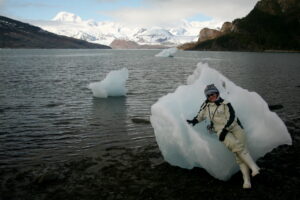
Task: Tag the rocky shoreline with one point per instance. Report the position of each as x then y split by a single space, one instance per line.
141 173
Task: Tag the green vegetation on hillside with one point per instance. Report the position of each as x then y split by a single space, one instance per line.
268 26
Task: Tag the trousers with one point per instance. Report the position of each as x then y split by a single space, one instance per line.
235 141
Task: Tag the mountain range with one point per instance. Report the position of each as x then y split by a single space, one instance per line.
272 25
16 34
71 25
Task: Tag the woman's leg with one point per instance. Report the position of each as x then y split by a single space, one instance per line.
244 155
247 159
236 142
246 176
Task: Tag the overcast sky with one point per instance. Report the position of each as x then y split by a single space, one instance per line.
137 12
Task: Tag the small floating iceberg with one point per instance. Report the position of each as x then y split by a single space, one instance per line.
186 146
167 52
112 85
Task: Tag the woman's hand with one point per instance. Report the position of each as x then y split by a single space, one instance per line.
193 121
223 135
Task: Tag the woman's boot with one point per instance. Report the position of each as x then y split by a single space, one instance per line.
246 176
247 159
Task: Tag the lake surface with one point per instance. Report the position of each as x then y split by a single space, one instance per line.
48 115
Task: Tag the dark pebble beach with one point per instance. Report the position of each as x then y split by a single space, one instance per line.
141 173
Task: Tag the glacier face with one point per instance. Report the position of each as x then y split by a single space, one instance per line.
70 25
187 147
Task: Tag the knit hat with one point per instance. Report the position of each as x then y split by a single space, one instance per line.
211 89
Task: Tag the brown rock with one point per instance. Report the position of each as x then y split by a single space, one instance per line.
227 27
209 34
128 44
276 7
123 44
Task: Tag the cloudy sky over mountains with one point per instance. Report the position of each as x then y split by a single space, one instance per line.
137 12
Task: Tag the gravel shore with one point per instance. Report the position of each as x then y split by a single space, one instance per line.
123 173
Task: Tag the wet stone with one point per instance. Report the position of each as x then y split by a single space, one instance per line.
275 107
142 174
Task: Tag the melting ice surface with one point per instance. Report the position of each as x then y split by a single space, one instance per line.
112 85
187 147
167 52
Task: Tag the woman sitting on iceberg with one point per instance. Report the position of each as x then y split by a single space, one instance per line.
188 147
228 128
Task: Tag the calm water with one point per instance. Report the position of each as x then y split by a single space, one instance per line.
47 113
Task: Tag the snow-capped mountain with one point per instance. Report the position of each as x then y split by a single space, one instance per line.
71 25
67 17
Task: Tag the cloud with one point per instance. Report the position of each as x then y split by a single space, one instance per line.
108 1
164 12
36 4
2 3
5 5
2 7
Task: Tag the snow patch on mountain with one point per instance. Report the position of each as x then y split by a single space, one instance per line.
106 32
67 17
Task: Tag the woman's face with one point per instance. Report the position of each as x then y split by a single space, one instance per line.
212 97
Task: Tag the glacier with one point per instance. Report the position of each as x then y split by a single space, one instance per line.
112 85
186 146
105 32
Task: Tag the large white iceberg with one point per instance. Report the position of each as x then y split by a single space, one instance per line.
187 147
112 85
167 52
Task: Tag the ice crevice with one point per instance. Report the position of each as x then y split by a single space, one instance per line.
187 147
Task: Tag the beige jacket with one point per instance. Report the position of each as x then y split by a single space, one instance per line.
221 113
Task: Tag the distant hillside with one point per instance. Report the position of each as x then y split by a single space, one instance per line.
127 44
271 25
16 34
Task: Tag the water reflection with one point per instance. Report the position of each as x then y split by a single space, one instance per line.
107 110
109 115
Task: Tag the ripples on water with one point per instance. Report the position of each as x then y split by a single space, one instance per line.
47 114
